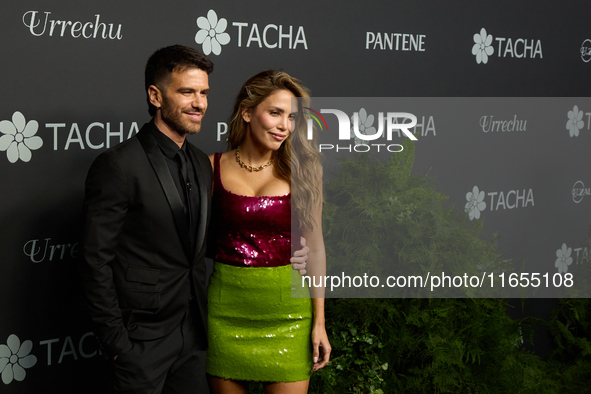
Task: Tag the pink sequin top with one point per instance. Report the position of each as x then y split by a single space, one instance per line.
249 231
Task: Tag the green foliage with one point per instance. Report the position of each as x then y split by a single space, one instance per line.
428 346
570 327
357 365
381 220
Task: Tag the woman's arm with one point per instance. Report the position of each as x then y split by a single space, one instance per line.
299 258
316 267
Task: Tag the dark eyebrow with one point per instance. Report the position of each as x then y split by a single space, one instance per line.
188 89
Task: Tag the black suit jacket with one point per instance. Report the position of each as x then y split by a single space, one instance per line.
138 268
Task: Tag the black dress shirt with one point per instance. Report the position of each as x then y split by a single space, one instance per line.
170 149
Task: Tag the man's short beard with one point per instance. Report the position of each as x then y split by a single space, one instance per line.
174 121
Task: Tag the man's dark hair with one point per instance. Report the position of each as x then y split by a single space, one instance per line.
173 58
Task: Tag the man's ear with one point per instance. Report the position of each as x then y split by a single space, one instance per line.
246 113
155 96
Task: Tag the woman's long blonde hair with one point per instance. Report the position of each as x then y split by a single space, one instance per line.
304 164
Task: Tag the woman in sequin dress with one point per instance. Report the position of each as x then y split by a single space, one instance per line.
257 331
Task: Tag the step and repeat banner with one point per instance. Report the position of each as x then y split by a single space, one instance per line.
72 76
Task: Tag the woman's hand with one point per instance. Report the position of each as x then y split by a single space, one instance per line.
298 261
321 347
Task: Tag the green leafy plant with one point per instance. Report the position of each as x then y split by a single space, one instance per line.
381 220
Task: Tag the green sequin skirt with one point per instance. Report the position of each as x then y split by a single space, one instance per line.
257 331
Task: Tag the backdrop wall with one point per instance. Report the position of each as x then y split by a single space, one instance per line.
72 76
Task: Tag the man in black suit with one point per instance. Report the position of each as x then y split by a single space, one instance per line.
147 210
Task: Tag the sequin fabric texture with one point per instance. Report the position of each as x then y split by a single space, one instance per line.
267 243
257 330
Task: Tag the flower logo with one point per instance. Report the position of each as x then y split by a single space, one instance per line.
19 138
212 34
475 203
14 358
365 126
575 121
482 48
564 259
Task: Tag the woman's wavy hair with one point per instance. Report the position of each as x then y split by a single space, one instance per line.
302 169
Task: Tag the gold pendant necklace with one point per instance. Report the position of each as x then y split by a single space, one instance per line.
250 168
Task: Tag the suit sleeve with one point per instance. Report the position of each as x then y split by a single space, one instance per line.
106 204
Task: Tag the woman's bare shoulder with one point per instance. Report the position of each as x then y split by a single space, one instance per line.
224 158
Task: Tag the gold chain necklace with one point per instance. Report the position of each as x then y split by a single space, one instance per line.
250 168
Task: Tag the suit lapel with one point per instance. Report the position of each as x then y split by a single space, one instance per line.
204 196
156 158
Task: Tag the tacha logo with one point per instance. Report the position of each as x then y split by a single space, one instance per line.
475 203
506 47
511 199
566 256
482 48
19 139
575 121
15 358
212 34
563 258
